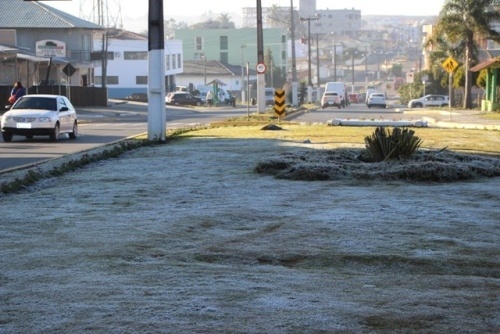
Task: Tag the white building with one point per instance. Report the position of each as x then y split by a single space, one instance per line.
127 68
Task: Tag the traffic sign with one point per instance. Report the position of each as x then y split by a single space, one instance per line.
450 64
261 68
69 70
279 102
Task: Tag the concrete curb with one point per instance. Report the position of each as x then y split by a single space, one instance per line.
432 123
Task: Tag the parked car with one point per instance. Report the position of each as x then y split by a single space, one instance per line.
331 99
182 98
377 100
139 97
429 101
40 115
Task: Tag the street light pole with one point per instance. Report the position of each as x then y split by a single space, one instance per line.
309 19
242 84
352 69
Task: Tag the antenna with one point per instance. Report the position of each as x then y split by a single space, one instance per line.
106 13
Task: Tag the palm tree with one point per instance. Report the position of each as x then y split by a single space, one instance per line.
225 21
464 22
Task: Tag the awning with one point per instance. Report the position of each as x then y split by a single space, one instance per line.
490 63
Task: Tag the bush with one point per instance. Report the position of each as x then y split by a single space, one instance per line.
383 145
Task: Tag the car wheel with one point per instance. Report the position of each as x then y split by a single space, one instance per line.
369 105
198 103
7 136
73 134
54 136
30 136
340 107
418 105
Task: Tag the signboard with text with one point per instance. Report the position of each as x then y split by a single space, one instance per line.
50 48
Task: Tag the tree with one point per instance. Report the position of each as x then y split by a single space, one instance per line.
225 21
463 22
170 26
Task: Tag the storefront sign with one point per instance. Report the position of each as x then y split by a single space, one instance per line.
50 48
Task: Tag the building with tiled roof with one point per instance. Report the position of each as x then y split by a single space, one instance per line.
39 32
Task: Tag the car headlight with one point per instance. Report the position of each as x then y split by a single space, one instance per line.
7 119
44 119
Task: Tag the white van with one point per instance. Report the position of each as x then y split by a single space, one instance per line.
269 95
224 96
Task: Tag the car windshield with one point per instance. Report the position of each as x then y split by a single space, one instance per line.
43 103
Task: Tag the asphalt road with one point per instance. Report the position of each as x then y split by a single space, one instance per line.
101 126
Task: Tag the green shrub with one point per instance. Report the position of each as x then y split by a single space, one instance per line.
384 145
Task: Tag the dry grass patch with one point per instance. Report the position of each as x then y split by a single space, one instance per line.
482 141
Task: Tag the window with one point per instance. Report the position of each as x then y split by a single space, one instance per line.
173 62
97 55
223 57
141 80
167 62
179 60
223 42
135 55
198 43
111 80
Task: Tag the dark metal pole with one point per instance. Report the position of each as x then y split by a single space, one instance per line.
294 59
292 37
335 62
317 60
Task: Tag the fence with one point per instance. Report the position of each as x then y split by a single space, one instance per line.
79 96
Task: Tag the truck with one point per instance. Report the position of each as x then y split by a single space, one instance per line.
339 88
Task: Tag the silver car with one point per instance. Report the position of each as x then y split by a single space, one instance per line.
40 115
429 101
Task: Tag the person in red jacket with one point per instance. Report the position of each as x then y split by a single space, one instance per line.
17 92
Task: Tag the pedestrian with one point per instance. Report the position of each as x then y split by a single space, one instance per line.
17 92
209 98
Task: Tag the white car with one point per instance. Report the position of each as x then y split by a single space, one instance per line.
40 115
429 101
331 99
377 100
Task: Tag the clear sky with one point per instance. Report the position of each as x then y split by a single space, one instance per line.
139 8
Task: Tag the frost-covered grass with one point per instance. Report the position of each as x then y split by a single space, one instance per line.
346 164
187 238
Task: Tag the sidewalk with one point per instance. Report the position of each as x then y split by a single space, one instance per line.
462 119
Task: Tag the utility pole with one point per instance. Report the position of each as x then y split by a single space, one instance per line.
309 19
156 72
261 69
242 74
317 62
294 59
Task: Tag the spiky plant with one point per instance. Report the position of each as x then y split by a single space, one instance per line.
384 145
